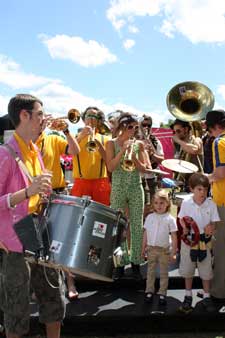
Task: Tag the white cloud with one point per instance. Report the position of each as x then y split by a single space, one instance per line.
133 29
4 100
85 53
57 97
197 20
128 44
13 76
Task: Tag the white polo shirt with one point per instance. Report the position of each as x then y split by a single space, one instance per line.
202 214
158 228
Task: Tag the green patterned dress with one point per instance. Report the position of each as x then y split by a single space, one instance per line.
127 191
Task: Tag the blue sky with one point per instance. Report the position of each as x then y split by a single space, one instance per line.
119 54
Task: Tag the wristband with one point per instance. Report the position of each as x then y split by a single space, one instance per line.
66 131
26 193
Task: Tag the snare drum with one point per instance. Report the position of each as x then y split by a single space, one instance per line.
82 235
180 197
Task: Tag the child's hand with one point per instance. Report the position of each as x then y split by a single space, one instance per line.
173 258
209 229
143 253
186 230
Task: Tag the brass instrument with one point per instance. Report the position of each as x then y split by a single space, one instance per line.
91 145
127 163
190 101
59 123
104 128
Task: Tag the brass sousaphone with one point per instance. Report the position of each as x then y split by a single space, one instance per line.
190 101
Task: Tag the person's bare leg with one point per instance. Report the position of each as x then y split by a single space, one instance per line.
72 291
52 330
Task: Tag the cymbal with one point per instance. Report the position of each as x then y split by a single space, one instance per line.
156 171
180 166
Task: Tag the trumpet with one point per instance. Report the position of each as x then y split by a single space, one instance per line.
127 164
91 145
60 123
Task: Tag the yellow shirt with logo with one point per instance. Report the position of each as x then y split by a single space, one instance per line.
90 162
51 147
31 161
218 187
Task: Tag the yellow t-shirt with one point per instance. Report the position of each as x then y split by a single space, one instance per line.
51 147
31 161
218 149
90 162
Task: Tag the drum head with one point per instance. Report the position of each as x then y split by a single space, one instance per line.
180 166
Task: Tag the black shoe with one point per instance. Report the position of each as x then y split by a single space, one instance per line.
162 300
136 274
118 273
208 304
148 297
186 305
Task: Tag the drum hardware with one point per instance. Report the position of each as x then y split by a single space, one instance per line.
127 163
156 171
59 123
91 145
117 257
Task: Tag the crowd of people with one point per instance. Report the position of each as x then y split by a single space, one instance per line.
115 169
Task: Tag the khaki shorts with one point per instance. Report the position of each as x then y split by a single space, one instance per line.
16 276
187 267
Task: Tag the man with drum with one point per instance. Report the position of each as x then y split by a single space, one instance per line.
215 122
22 180
187 147
52 147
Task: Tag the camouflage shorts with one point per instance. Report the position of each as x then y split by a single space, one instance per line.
16 276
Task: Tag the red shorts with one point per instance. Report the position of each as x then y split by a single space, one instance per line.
98 189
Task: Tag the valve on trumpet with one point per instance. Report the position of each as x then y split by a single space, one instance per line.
91 145
128 163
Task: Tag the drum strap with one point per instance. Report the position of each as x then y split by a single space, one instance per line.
19 162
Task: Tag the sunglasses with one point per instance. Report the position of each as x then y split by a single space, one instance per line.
130 127
177 131
146 125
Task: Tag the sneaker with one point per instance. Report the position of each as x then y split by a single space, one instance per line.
186 305
148 297
162 300
118 273
208 304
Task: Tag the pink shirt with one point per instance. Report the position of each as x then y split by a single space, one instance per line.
12 179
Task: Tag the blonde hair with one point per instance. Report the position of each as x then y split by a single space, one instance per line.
162 195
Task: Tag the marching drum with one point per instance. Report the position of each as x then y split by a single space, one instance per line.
82 235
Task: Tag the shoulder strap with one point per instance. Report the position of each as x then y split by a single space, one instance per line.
19 161
101 164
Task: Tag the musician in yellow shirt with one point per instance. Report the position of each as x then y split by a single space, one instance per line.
89 168
215 122
52 147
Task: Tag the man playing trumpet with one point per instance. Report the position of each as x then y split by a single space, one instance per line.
89 168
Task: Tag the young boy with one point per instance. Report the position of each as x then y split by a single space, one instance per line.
202 213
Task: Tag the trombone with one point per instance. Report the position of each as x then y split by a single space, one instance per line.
59 123
127 163
91 146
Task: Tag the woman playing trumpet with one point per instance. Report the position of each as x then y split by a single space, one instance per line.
127 190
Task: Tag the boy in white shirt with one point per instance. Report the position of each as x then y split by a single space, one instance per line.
158 227
202 212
